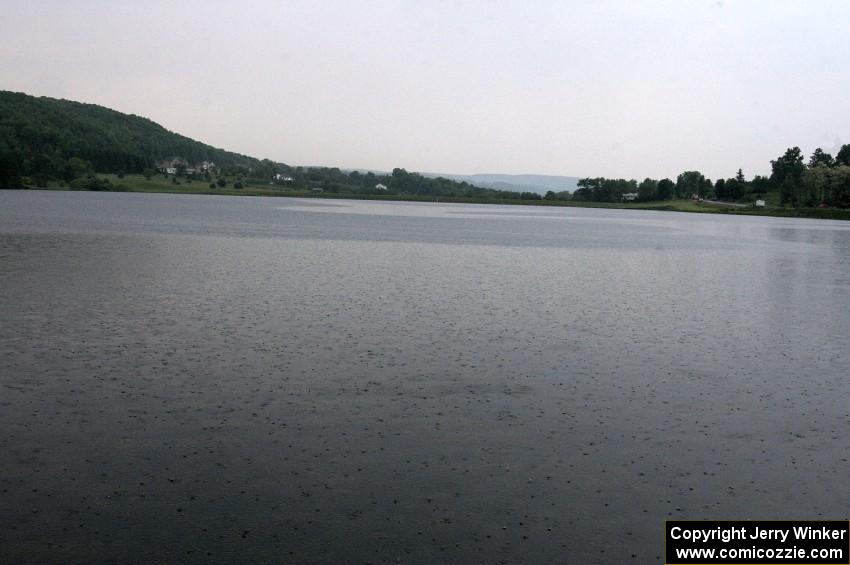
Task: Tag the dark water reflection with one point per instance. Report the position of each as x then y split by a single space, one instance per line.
196 379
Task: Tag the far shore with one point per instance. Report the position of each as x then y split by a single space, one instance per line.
137 183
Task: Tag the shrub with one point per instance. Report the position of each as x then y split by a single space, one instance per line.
91 183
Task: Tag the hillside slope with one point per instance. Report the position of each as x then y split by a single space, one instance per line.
38 135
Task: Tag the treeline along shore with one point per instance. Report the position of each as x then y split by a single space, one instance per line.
61 144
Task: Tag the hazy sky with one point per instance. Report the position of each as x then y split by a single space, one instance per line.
592 88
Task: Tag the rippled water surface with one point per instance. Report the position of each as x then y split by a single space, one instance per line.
228 379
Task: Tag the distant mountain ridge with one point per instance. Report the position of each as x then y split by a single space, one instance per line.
521 183
539 184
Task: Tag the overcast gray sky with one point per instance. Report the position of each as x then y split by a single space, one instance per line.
596 88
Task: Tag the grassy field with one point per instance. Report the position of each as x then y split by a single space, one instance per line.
160 184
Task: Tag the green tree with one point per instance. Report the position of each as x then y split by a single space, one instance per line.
826 185
76 168
692 182
585 189
816 183
735 189
665 189
265 170
600 189
400 181
647 190
821 158
10 175
839 186
787 172
843 155
760 184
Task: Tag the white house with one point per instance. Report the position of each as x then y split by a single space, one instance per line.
170 166
629 196
380 186
759 203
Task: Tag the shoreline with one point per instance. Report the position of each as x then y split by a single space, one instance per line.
686 206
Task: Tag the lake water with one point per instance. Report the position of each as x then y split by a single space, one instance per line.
235 379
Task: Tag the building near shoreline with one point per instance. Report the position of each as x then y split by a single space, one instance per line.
171 165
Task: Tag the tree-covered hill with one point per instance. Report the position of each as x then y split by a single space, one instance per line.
45 140
39 135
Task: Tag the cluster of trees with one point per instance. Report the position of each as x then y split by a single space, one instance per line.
823 180
601 189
